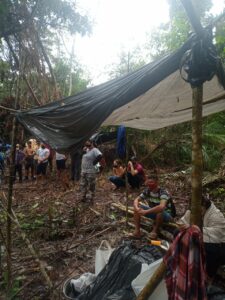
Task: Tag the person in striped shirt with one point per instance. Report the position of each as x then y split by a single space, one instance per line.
157 205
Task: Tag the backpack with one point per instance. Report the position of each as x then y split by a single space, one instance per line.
171 204
172 207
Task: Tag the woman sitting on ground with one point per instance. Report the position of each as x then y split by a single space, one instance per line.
118 177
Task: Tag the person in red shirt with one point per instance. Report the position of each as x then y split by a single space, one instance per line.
135 173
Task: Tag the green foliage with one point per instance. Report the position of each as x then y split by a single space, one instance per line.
170 36
51 14
172 146
6 79
62 15
64 73
30 33
128 61
220 39
16 284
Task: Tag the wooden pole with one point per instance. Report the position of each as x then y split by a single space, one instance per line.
153 282
193 17
197 100
126 179
10 192
197 161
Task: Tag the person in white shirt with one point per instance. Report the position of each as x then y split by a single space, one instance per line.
90 158
213 234
43 154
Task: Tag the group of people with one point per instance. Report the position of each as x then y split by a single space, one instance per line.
35 160
154 202
134 172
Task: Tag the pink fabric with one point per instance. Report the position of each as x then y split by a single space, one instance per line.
140 170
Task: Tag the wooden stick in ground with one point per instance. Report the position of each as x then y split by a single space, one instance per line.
153 282
196 157
126 180
14 219
10 189
197 161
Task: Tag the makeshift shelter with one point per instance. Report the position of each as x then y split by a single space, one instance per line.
152 97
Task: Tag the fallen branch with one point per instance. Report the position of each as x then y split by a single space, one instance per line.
146 220
14 219
7 108
88 239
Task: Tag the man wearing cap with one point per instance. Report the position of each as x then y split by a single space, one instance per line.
159 207
135 173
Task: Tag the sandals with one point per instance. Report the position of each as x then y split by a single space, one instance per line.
135 237
153 235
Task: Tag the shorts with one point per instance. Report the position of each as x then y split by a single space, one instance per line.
61 164
29 163
166 216
41 168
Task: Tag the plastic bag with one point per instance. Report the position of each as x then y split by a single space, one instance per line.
83 281
114 281
102 256
140 281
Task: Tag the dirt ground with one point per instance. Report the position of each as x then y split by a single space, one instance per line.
65 232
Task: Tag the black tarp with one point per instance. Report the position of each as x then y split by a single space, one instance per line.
114 281
65 124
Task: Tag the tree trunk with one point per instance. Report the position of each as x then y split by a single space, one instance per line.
10 193
197 161
18 66
71 69
126 180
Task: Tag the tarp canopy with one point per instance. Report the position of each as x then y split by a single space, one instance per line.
152 97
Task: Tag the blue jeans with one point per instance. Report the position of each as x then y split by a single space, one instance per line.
118 181
166 216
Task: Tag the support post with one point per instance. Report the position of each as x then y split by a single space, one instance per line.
197 161
10 192
153 282
126 179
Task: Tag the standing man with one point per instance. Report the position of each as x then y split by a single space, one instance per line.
90 158
43 154
160 207
76 165
19 159
29 160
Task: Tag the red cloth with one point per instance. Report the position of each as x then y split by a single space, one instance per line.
186 276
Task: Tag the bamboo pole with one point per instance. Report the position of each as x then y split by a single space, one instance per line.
197 161
10 192
153 282
24 76
126 180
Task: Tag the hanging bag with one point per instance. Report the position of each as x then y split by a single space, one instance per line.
102 256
